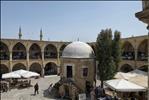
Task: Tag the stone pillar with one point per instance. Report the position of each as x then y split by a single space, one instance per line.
10 61
136 56
58 61
27 60
42 72
136 53
58 56
42 66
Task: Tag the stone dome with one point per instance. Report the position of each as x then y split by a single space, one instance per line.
78 50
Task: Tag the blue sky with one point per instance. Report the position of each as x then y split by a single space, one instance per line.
69 20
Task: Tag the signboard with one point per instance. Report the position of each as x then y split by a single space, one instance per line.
82 96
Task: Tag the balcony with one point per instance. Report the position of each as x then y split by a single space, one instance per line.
128 56
142 56
4 56
19 55
48 55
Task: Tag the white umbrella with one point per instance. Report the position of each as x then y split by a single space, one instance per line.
30 74
20 73
11 75
138 72
140 80
121 75
26 74
122 85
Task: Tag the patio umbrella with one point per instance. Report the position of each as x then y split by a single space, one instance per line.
122 85
138 72
121 75
20 73
10 75
140 80
30 74
26 74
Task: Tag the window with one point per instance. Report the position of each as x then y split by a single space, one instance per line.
85 72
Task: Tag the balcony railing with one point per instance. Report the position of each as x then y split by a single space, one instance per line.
19 55
4 56
50 55
128 56
142 56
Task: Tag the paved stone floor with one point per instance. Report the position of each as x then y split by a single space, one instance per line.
28 93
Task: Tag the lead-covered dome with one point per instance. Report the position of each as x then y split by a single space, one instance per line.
78 50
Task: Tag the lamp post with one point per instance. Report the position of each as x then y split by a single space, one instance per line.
148 61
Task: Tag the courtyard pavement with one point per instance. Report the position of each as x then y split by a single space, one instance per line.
28 93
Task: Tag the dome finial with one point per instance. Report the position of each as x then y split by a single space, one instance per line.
20 33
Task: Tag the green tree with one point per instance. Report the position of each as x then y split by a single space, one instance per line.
116 48
107 61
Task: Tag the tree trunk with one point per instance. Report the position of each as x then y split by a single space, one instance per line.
101 83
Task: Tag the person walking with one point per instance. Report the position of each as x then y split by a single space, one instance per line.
36 87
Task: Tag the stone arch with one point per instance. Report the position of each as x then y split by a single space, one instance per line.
36 67
50 51
19 51
128 52
144 68
50 68
126 68
61 49
4 51
18 66
4 69
142 50
35 51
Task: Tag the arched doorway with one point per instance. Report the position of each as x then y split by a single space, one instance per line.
128 51
4 69
18 67
142 50
144 68
50 51
61 49
36 67
19 51
4 51
50 69
126 68
35 52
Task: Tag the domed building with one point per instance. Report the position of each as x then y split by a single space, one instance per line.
77 66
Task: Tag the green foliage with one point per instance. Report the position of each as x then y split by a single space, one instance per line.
108 53
116 48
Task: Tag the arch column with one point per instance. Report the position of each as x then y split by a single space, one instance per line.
42 67
136 56
58 56
10 61
27 58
